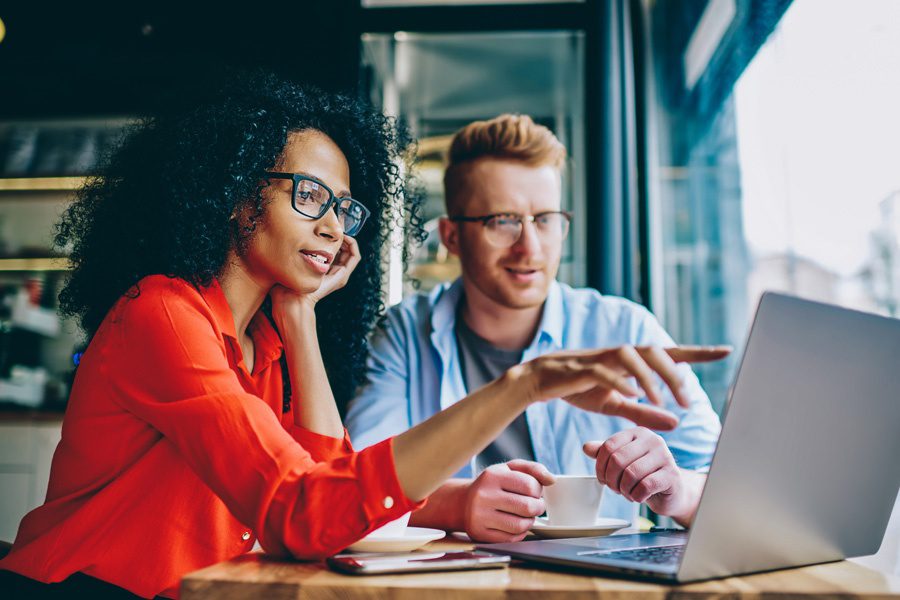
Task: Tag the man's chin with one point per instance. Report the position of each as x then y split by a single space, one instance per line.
529 297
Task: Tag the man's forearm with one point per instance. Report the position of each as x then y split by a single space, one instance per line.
445 508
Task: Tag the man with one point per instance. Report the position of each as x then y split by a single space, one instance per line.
503 195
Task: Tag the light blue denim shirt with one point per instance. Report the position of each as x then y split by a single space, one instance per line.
414 372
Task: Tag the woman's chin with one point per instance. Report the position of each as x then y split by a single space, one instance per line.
304 285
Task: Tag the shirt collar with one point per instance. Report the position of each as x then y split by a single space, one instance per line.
265 337
218 304
554 315
445 299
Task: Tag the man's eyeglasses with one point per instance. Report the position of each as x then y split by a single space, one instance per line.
502 230
312 198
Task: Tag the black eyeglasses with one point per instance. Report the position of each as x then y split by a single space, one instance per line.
312 198
504 229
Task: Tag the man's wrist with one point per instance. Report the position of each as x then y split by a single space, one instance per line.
519 382
691 490
446 508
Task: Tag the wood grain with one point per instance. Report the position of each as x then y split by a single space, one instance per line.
258 576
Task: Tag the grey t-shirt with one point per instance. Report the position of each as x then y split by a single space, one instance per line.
482 363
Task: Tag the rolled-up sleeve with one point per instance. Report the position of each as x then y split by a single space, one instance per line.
306 495
322 448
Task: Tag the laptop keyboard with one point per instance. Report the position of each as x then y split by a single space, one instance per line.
660 555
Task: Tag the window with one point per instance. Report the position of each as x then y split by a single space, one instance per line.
440 82
773 135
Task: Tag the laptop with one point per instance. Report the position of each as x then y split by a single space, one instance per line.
807 467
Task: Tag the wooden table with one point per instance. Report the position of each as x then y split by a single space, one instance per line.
257 576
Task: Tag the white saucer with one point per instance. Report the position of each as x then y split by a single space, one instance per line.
600 527
412 538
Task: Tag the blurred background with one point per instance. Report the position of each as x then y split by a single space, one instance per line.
719 148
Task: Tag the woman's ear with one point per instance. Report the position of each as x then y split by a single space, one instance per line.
241 215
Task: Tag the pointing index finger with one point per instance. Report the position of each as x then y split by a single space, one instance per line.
697 354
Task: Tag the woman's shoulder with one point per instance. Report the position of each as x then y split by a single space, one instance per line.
165 284
162 311
155 294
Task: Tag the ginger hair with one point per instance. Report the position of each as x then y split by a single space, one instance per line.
506 137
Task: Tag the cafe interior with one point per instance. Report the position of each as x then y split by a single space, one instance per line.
716 150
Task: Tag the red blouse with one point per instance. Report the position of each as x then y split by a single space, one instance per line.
174 457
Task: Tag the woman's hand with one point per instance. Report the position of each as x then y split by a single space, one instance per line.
599 380
337 276
289 305
595 380
295 318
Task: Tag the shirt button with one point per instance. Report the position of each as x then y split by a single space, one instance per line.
388 502
245 536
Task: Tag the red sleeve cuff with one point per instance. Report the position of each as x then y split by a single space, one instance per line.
384 500
322 448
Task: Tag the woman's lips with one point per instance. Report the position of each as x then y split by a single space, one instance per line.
320 261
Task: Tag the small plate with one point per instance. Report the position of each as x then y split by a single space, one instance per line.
412 539
599 528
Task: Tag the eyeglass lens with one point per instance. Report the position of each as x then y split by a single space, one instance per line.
312 199
505 230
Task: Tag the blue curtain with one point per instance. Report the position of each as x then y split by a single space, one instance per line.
613 246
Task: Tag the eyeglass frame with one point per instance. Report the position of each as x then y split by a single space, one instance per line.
296 178
485 219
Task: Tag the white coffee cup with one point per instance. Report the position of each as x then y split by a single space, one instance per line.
393 529
573 500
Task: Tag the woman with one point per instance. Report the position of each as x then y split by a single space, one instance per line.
181 444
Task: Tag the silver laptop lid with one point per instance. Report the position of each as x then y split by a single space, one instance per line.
808 464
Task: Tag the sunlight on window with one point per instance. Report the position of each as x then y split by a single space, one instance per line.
818 135
777 170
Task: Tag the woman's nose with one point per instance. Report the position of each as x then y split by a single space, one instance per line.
329 225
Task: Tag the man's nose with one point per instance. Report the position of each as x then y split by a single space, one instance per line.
529 242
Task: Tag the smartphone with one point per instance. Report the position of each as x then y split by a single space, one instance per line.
414 562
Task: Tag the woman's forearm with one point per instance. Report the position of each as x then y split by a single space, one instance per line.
313 402
595 380
431 452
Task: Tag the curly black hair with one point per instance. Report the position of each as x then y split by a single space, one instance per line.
161 204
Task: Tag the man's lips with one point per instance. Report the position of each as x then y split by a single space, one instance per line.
523 275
